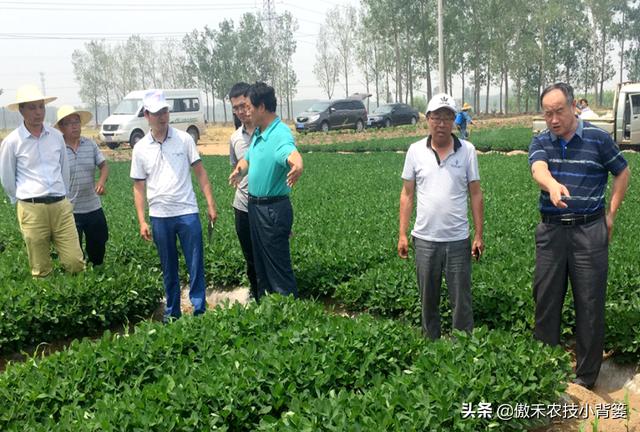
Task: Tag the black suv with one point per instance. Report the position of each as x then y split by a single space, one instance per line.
336 114
393 114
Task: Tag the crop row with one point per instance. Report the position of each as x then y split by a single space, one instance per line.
343 246
498 139
282 365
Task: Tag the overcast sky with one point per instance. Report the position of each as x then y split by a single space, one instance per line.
39 36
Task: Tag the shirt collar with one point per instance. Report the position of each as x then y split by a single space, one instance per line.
579 131
153 140
456 143
24 132
265 135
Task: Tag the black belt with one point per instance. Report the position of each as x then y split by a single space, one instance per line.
267 199
44 199
572 218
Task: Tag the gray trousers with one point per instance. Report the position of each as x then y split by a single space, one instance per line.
454 259
578 254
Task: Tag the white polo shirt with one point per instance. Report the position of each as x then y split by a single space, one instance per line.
442 189
166 169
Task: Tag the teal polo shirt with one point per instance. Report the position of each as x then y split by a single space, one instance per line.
267 157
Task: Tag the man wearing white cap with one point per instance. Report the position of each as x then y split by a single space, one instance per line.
84 156
35 175
161 162
444 171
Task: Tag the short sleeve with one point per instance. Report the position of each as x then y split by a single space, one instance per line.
473 172
233 159
537 151
408 171
285 148
137 171
611 155
192 151
97 154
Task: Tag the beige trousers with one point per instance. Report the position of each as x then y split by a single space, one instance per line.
42 224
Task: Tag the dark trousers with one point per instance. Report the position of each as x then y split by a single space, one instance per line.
93 227
578 254
244 237
454 260
270 226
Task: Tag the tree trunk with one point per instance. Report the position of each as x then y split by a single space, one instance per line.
602 65
398 68
346 77
376 74
206 95
486 102
500 93
462 75
506 90
95 106
224 109
429 86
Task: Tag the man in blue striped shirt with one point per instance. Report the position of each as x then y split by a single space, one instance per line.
571 161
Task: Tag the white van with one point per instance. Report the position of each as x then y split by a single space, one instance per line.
127 123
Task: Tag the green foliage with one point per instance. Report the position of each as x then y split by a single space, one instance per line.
498 139
343 246
280 365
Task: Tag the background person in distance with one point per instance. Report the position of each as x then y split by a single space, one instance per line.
84 157
571 162
274 165
443 170
161 162
35 175
238 145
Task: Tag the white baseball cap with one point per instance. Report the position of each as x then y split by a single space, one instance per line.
442 100
154 101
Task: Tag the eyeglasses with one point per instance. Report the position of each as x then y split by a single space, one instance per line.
438 120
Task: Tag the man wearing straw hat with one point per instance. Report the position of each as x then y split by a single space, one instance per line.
84 156
35 174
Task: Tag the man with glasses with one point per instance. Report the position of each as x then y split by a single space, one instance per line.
444 171
571 162
273 165
84 157
238 145
35 175
160 162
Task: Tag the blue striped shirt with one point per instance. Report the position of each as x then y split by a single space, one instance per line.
582 165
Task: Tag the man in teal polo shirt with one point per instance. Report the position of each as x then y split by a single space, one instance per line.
274 165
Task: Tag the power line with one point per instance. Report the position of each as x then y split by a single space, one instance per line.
122 7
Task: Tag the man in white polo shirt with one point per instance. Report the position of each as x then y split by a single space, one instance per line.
35 174
161 162
444 171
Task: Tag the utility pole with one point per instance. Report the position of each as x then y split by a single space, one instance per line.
441 80
44 91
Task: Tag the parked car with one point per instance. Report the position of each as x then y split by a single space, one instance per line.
392 115
336 114
127 123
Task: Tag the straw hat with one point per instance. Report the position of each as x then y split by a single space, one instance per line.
67 110
466 106
29 93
